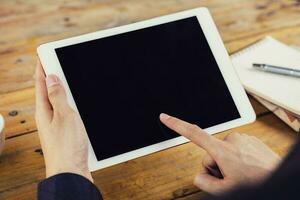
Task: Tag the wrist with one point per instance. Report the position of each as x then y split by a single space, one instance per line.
52 171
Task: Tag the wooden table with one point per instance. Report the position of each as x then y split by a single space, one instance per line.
24 24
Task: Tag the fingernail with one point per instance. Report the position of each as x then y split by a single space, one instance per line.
164 116
51 80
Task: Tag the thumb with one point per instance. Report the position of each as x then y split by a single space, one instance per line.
209 183
56 93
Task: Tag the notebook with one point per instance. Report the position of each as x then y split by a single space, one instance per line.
289 118
281 90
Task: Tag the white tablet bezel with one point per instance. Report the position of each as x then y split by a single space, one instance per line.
51 65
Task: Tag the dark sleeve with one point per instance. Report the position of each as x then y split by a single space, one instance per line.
67 186
282 185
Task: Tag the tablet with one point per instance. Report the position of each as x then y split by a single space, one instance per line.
121 79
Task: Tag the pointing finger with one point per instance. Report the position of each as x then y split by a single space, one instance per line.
191 132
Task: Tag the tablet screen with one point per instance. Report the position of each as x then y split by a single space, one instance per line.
122 83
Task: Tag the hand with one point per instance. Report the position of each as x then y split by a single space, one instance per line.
61 131
238 160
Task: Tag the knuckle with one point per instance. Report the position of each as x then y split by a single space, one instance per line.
220 154
69 111
54 90
65 112
193 128
207 161
200 182
58 114
253 138
232 135
235 134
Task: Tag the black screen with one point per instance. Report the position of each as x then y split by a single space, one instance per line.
122 83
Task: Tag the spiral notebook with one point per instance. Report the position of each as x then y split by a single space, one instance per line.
280 90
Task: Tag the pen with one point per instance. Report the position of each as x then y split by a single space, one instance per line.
277 69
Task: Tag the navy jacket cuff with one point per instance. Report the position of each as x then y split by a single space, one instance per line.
67 186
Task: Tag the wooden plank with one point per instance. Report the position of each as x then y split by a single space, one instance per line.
21 167
289 36
53 21
194 196
149 177
255 15
18 109
24 192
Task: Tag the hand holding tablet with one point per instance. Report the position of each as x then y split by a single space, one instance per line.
175 64
239 159
61 131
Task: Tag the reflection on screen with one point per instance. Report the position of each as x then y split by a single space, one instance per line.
122 83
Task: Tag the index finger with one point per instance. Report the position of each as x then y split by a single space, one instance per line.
191 132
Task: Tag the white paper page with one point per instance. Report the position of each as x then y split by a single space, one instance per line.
279 89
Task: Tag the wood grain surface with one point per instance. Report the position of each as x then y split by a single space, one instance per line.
24 24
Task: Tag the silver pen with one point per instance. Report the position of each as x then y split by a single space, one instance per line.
278 70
